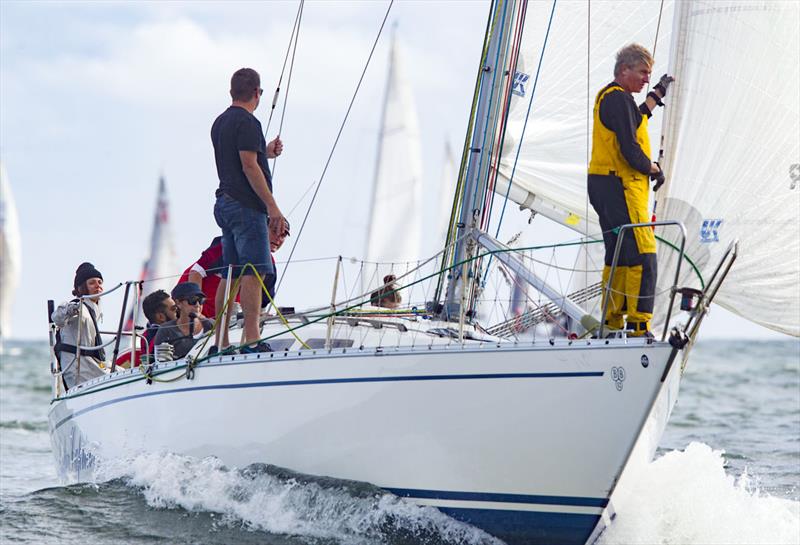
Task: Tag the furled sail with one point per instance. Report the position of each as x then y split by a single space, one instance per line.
159 270
732 140
10 254
395 219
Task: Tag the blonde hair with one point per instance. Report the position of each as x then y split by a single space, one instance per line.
630 56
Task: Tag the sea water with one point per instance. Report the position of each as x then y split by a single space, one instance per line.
727 471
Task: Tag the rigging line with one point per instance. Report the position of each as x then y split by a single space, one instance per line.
493 172
524 126
336 141
492 109
489 107
457 193
655 40
289 81
283 69
589 116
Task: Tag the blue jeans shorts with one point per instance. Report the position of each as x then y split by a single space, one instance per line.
245 237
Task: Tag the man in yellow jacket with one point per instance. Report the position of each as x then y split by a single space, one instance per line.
619 174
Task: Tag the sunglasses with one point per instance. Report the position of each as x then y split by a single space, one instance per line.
195 300
260 91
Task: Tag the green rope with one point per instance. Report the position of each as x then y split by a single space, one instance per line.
342 311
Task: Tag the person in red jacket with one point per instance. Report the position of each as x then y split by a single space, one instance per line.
206 273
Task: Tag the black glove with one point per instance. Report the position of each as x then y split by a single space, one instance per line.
658 177
663 84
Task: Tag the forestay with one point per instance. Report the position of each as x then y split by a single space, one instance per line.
732 137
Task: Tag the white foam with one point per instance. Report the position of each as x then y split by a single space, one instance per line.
263 501
685 497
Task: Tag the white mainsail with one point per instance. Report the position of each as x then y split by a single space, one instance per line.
159 270
395 220
550 173
732 140
10 253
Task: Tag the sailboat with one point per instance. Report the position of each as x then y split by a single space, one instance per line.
10 254
394 231
530 441
158 270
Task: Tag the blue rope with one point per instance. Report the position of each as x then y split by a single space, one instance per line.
522 136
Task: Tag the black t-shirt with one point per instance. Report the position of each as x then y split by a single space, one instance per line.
233 131
619 113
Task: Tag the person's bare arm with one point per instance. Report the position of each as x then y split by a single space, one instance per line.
259 184
196 277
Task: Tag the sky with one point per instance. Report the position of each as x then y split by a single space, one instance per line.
100 99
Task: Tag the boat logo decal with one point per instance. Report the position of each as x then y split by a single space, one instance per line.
709 231
520 80
618 376
645 361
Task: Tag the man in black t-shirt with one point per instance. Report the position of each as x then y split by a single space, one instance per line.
245 209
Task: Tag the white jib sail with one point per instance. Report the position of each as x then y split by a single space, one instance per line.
10 253
395 218
733 154
160 269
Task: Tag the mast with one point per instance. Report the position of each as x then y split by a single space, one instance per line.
491 82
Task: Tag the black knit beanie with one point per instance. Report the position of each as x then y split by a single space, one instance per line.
85 272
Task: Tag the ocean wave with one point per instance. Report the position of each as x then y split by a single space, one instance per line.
26 425
686 497
265 498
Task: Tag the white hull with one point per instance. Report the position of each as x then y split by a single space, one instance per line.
526 442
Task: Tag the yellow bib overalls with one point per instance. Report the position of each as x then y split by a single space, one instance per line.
619 194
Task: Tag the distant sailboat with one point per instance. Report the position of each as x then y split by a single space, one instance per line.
158 271
395 220
447 186
10 254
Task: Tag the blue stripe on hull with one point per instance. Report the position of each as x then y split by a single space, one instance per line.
284 383
528 527
497 497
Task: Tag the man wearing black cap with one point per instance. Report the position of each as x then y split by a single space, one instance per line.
88 281
182 333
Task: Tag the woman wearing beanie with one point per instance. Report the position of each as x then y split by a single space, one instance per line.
88 281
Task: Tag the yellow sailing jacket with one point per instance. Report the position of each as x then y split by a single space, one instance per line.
606 154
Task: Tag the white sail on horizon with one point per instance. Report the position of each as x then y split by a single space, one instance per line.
447 185
396 215
159 271
10 253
